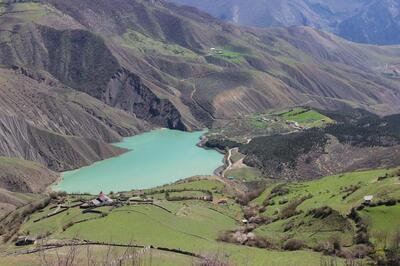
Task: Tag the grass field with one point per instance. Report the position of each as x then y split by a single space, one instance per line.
306 117
245 174
194 225
329 191
99 255
383 222
341 193
146 45
227 54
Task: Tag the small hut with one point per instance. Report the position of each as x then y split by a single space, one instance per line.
368 199
24 241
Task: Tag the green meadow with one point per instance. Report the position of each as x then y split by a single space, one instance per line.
195 225
306 117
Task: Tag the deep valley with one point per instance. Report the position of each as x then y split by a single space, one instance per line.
114 96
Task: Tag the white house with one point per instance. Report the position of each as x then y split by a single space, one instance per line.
368 199
101 200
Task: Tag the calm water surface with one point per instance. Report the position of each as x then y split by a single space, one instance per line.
156 158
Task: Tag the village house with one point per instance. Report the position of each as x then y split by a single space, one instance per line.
368 199
24 241
101 200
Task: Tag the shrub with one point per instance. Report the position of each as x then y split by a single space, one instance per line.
289 209
396 173
288 226
57 194
380 178
244 198
321 212
293 244
360 251
361 238
260 242
68 225
249 211
322 247
227 236
336 242
390 202
279 190
283 201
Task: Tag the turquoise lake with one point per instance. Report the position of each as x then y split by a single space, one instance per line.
155 158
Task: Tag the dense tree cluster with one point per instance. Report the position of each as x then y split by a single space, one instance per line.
283 149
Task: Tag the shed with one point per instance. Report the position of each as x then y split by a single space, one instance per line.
24 241
368 199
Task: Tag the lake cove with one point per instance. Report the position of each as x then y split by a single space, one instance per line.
155 158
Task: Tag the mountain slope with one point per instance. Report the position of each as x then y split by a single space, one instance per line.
20 181
56 126
71 64
370 21
161 65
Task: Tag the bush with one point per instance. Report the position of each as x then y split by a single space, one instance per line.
321 212
361 238
279 190
322 247
360 251
396 173
260 242
57 194
283 201
390 202
250 211
336 242
68 225
227 236
289 209
293 244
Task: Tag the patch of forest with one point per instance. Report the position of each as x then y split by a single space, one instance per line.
355 127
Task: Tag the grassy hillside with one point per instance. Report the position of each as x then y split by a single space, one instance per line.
304 143
188 225
314 213
306 117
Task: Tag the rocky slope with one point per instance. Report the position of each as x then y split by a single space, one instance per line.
369 21
20 181
24 176
58 127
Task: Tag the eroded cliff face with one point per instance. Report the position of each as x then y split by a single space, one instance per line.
126 91
24 176
22 140
21 176
57 126
81 60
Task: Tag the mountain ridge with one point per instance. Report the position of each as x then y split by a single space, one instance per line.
371 21
122 66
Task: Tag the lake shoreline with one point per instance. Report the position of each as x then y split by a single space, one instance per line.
133 182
